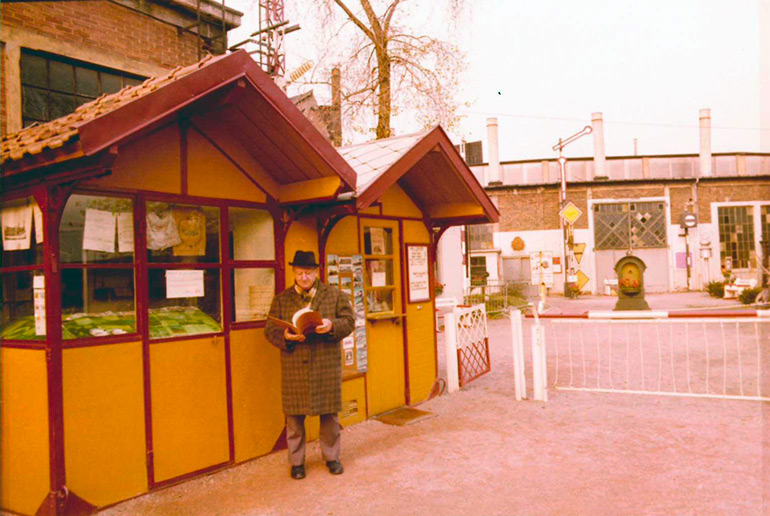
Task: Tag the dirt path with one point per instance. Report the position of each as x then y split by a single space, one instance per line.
483 453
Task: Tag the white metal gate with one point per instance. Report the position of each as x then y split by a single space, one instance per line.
467 345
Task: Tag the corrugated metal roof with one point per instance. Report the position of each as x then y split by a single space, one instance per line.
371 160
56 133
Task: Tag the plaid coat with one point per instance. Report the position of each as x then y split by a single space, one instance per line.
311 379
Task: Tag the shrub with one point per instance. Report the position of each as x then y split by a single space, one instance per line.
749 295
715 288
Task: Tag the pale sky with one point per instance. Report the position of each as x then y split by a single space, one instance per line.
542 67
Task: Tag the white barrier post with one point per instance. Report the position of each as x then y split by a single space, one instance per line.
539 380
450 350
519 376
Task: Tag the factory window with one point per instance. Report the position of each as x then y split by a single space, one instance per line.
481 236
736 236
630 225
54 86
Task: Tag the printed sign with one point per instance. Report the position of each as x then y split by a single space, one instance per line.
184 284
541 265
419 276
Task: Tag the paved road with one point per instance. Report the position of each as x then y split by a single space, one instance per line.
486 454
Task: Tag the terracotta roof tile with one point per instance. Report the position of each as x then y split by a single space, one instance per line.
56 133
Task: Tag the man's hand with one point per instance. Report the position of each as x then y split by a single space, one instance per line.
326 327
293 336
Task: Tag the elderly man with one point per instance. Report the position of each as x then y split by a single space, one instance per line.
312 364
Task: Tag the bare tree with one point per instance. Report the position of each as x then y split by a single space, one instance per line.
391 71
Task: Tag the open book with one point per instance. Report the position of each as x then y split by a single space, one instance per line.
304 321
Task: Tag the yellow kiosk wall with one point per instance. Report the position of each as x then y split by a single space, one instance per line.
257 411
24 477
104 438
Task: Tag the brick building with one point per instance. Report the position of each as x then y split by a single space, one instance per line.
57 56
627 203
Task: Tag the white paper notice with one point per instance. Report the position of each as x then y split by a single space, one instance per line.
378 279
419 286
38 215
125 232
17 224
99 231
377 240
184 284
38 283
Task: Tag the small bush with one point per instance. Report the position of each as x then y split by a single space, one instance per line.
715 288
749 295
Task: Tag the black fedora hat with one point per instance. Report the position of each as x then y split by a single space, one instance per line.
304 259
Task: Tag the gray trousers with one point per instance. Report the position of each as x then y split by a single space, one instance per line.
329 437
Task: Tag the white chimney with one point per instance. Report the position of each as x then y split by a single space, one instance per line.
705 142
600 160
494 153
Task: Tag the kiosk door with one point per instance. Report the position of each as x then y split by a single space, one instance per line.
384 314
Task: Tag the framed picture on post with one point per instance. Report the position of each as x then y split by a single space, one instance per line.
418 272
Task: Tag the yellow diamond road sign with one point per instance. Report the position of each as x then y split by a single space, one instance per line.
582 279
570 213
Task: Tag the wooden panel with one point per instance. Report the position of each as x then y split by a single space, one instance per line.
150 163
302 236
24 457
421 335
353 401
396 202
189 406
104 432
257 409
343 240
210 174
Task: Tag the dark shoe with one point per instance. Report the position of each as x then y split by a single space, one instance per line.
335 468
298 472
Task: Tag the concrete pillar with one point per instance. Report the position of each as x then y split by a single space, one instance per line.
600 159
494 177
705 142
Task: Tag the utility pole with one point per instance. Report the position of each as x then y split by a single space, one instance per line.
566 229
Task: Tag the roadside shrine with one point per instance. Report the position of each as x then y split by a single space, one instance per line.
144 236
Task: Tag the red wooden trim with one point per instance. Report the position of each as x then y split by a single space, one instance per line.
432 271
52 206
89 342
430 282
246 325
250 264
177 265
23 268
404 322
75 265
143 325
69 504
67 172
226 288
184 126
23 344
187 337
188 476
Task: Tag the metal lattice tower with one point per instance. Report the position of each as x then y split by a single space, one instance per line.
269 37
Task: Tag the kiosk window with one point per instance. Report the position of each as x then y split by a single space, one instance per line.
378 269
182 233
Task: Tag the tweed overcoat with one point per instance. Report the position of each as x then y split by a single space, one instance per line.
311 379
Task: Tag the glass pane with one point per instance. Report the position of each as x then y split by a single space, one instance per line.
34 70
61 105
379 301
97 229
97 302
251 234
87 82
179 316
22 232
35 103
62 77
178 233
378 240
379 273
253 291
110 82
17 310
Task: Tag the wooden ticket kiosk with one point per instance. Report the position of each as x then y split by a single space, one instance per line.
143 238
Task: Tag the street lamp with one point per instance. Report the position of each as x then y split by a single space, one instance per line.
563 202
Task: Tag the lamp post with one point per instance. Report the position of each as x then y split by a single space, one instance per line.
566 239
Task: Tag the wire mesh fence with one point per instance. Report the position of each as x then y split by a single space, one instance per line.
498 296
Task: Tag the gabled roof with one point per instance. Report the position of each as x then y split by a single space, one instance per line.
228 99
429 169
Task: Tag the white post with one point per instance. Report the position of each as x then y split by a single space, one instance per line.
452 372
539 379
519 376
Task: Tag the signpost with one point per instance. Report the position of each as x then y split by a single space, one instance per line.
687 221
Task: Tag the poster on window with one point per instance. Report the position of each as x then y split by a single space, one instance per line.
181 284
126 232
99 231
418 269
38 289
17 224
191 225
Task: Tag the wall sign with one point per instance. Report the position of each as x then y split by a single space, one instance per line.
418 272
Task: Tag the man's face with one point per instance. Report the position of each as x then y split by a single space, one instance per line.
305 276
